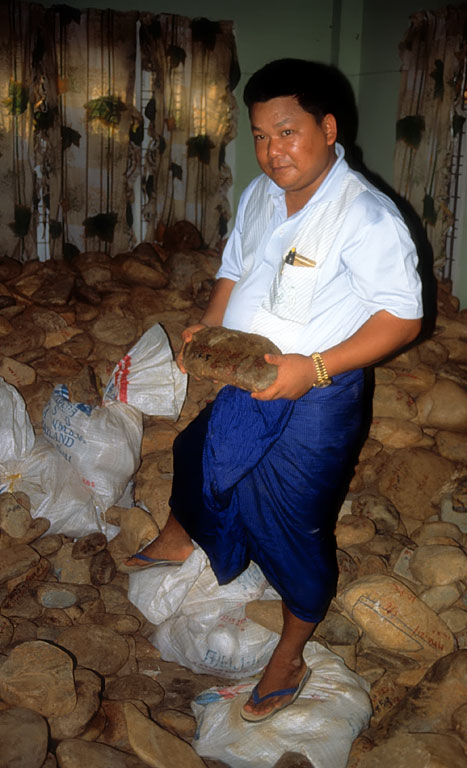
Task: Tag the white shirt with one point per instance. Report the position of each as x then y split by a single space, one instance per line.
365 262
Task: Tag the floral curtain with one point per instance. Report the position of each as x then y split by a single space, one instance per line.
71 138
433 55
193 71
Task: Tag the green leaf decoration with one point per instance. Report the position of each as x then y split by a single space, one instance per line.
176 170
200 147
150 110
43 121
55 229
162 144
438 77
205 32
137 132
102 226
176 56
70 252
457 124
67 14
410 130
18 98
106 109
429 213
69 137
20 226
129 214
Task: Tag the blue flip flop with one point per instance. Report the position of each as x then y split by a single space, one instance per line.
149 562
257 699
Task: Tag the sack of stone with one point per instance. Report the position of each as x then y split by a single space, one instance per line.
231 357
102 444
148 378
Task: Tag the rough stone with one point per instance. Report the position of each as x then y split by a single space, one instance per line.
391 402
413 478
395 433
16 560
451 445
74 753
39 676
155 746
135 686
97 648
15 519
441 598
351 530
23 738
438 564
114 329
88 687
444 407
178 723
88 545
421 749
379 509
394 618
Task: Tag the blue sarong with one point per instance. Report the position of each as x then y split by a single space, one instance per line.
263 481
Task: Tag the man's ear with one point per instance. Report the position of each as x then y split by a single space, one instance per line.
330 128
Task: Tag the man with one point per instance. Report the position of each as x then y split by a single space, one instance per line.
321 263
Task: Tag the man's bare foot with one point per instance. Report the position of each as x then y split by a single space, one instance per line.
280 673
173 543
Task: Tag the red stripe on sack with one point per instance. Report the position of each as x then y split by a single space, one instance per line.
124 369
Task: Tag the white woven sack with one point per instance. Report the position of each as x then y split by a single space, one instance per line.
16 432
148 378
333 708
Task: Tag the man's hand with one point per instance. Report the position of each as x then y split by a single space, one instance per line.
296 374
187 336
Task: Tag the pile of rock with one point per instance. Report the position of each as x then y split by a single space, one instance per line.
400 615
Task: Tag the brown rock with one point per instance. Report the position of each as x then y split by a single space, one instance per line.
16 560
395 618
88 687
89 545
437 565
97 648
15 519
23 737
155 746
412 479
178 723
421 749
395 433
135 686
102 568
391 402
417 381
75 753
379 509
114 329
6 632
451 445
39 676
231 357
444 407
351 530
123 623
21 602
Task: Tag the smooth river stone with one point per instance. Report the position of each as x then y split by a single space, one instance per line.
23 738
352 530
438 564
76 753
444 407
39 676
95 647
418 749
16 560
135 686
88 688
395 433
391 402
394 618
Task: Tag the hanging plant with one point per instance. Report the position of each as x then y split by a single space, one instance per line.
102 226
176 56
200 147
150 110
106 109
20 226
44 119
137 131
205 32
410 130
69 137
176 171
18 98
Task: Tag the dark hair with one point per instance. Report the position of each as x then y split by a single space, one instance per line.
319 88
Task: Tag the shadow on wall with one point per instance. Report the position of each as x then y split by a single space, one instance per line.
346 115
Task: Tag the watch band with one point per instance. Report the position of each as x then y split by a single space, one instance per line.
323 379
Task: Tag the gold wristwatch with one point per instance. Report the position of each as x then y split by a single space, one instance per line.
323 379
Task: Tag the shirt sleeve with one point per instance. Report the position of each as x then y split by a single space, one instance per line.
381 259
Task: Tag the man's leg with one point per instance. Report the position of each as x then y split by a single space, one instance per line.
286 666
173 543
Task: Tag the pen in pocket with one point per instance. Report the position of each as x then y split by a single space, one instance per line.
295 259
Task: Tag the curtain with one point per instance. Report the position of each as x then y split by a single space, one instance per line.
433 55
73 149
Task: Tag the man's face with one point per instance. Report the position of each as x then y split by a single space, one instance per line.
291 147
